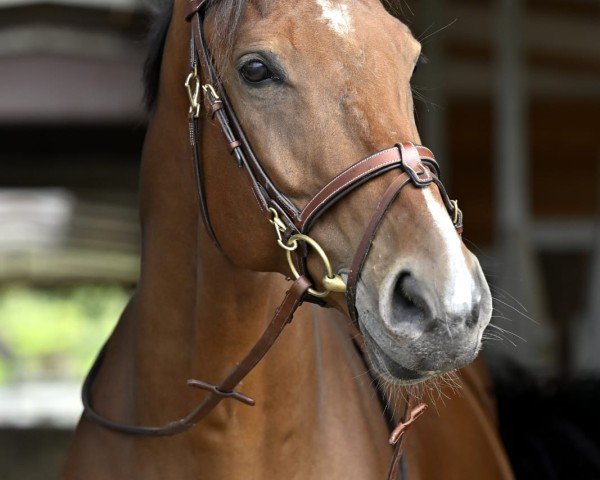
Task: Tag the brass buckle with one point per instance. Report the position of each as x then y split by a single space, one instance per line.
456 213
331 282
279 230
209 90
192 85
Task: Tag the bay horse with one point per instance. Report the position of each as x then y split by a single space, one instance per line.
308 87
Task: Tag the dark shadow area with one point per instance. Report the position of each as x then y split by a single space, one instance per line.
551 429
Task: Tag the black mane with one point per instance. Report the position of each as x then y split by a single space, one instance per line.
160 14
228 15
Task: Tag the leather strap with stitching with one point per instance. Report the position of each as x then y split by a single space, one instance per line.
196 147
367 239
354 176
264 190
413 172
283 316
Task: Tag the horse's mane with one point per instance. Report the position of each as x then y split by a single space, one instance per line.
160 18
228 15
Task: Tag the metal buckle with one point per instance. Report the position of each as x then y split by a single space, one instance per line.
192 85
456 213
209 90
331 282
279 230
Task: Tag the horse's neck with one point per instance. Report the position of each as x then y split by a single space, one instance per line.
311 388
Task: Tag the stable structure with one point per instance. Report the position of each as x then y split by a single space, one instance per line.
518 94
71 129
513 92
71 122
512 95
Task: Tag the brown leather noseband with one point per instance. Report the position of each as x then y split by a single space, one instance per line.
415 165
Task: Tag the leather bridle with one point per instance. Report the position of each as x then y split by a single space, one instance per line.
415 166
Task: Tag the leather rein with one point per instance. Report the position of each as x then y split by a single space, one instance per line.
415 165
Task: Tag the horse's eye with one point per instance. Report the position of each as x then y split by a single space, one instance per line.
255 72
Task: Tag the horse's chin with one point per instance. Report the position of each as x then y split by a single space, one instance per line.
408 361
389 369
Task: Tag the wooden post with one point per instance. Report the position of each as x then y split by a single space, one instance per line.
518 274
586 358
431 18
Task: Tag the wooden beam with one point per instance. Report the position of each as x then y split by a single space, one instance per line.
575 36
48 89
517 273
69 265
103 4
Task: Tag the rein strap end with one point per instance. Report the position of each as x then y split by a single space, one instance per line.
403 427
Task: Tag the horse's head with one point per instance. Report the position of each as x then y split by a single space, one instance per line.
317 85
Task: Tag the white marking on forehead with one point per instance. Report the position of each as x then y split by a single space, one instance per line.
337 15
458 289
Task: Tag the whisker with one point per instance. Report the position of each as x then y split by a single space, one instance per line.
498 289
507 332
424 32
503 338
474 246
361 375
422 98
502 313
516 310
492 336
439 30
448 379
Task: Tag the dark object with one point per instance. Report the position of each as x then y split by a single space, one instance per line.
551 429
157 35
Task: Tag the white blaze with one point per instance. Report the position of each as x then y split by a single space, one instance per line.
458 290
337 16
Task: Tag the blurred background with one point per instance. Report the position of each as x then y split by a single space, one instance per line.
509 101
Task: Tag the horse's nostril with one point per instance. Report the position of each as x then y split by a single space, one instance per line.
407 302
473 318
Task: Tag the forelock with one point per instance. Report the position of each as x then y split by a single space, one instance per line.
226 17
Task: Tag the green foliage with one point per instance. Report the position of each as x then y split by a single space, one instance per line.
55 333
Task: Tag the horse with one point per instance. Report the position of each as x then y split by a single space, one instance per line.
309 87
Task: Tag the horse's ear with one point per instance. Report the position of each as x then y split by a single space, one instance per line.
160 19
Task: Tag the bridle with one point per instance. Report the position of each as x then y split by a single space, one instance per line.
415 164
